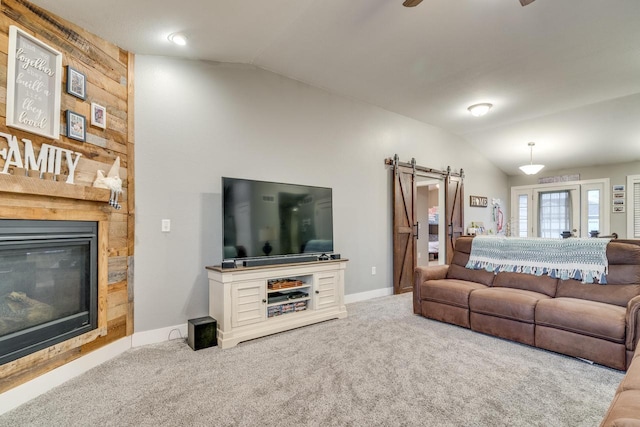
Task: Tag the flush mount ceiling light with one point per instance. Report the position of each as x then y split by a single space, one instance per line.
178 38
479 110
531 169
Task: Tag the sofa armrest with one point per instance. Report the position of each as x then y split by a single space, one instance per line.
633 322
421 275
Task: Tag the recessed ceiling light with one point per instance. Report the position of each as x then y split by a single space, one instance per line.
178 38
480 109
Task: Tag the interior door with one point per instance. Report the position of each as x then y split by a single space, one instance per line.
404 228
454 212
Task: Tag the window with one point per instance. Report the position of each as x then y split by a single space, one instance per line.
548 210
593 210
523 215
554 213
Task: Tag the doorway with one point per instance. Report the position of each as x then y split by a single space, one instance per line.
406 227
430 201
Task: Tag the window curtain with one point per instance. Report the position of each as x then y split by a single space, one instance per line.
554 213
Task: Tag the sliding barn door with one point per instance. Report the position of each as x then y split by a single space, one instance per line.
404 228
454 211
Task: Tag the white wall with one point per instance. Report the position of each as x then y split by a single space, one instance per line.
199 121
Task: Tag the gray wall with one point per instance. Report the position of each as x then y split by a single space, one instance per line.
198 121
617 174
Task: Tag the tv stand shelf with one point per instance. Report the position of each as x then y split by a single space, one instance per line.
240 299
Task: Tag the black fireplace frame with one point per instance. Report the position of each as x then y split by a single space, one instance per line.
15 233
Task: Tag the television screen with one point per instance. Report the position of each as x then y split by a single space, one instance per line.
265 219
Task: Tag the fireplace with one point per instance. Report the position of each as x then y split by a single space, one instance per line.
48 284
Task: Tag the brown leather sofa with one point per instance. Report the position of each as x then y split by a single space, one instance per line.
600 323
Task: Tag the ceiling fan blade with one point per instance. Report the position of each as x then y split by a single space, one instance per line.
411 3
526 2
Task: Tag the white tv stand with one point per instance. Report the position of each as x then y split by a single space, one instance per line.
249 302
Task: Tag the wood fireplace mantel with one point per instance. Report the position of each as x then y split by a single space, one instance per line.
45 187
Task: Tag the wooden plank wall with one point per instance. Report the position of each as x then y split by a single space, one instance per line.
110 77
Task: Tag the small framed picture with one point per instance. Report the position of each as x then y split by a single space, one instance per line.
618 202
76 126
618 208
618 195
98 115
76 83
618 188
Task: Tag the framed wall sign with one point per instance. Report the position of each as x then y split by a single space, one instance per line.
34 78
76 126
478 201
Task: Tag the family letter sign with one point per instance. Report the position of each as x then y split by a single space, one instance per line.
33 85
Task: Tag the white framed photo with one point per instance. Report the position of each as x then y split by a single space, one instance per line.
618 195
616 188
618 208
98 115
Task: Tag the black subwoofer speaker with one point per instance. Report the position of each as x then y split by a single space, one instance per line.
203 332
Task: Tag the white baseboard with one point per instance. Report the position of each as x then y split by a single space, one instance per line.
159 335
23 393
363 296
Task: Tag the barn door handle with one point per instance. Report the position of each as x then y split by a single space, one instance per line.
417 226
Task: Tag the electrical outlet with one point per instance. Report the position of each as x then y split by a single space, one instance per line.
373 271
419 254
166 225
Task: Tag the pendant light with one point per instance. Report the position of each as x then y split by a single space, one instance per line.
531 169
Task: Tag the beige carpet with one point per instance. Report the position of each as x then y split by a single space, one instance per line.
382 366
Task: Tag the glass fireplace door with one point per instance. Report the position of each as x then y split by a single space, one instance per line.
48 284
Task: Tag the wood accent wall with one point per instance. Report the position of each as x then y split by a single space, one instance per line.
109 75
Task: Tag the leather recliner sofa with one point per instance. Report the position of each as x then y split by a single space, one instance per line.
600 323
596 322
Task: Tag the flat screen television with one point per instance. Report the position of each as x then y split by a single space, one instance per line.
270 219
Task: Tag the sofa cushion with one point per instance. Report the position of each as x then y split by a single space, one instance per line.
608 294
592 318
449 291
528 282
460 259
623 274
463 244
479 276
462 251
623 253
508 303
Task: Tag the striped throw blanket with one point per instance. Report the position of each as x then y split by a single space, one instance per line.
584 259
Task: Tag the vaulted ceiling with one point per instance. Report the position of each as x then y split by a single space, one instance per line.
562 73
